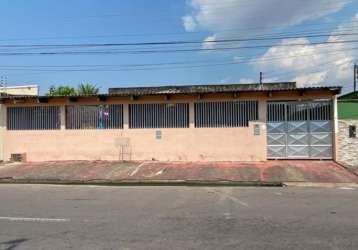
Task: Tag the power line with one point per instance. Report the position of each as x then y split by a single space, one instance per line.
175 42
112 51
220 31
177 65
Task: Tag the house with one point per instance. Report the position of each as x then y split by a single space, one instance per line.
232 122
20 90
348 122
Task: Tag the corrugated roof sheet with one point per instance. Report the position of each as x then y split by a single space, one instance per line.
207 89
349 96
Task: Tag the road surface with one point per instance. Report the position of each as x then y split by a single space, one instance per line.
90 217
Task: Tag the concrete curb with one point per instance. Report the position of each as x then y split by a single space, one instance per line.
199 183
324 185
141 182
347 169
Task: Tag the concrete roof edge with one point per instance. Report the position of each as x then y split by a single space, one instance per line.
22 86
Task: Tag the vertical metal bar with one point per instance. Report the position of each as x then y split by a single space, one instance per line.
139 114
197 114
154 117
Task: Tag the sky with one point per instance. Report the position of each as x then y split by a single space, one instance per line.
110 43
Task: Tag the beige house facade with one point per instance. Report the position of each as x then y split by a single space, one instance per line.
20 90
237 122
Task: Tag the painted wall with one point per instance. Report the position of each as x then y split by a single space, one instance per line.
189 144
348 110
21 90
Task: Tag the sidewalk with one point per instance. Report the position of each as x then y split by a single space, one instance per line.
232 173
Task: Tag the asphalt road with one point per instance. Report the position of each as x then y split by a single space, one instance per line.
88 217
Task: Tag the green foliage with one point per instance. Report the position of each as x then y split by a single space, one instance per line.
82 89
61 91
87 89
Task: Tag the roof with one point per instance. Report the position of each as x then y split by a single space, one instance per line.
196 89
20 86
350 96
215 88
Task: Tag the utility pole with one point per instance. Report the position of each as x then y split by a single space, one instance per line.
355 76
3 83
261 77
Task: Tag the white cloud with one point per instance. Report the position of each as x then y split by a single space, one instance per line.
247 80
255 16
310 64
209 42
306 64
189 23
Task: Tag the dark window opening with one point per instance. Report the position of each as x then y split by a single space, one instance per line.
352 131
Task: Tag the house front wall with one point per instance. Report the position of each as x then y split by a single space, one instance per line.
174 144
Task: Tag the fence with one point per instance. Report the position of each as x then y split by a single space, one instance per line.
225 114
94 117
33 118
173 115
160 115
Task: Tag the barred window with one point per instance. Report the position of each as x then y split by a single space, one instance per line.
171 115
299 111
321 111
94 117
225 114
276 112
33 118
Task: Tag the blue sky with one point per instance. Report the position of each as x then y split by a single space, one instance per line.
50 22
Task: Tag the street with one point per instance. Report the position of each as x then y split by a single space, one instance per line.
95 217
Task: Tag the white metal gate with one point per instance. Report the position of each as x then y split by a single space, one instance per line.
299 130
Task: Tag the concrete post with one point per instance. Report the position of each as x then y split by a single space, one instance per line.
191 115
63 117
125 116
263 124
335 129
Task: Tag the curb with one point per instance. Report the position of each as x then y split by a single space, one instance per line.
320 184
142 182
347 168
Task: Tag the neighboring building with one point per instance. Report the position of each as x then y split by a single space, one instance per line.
236 122
20 90
348 122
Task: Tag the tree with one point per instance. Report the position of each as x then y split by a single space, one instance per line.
61 91
87 89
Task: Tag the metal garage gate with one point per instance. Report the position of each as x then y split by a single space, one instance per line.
299 130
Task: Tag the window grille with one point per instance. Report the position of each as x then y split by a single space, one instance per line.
33 118
163 115
225 114
294 111
321 111
276 112
94 117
